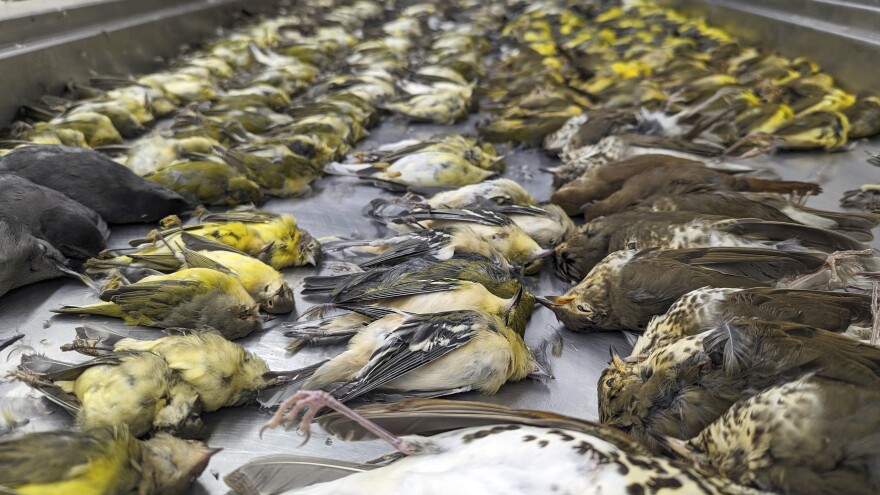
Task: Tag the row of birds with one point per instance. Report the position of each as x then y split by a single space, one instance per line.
742 337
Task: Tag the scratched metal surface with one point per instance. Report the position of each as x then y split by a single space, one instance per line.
334 209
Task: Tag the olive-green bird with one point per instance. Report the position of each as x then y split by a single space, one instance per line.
274 239
208 182
264 283
223 373
136 389
100 461
189 298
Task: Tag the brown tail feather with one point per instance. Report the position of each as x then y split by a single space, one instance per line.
777 186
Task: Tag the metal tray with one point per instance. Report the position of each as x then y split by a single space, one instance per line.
334 209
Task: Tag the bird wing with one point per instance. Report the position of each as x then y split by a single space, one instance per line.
480 216
419 340
25 459
834 311
239 215
153 299
421 243
282 473
199 243
649 287
400 289
765 265
804 235
432 416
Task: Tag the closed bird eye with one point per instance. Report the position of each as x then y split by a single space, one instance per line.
583 309
609 382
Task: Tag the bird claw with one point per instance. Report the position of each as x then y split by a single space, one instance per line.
310 401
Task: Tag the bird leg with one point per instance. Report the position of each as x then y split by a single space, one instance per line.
314 401
875 315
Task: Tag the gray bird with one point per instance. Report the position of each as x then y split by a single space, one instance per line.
25 259
76 230
115 192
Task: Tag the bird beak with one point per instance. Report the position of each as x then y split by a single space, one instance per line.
551 302
511 305
266 249
310 259
209 452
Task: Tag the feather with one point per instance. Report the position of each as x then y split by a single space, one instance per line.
281 473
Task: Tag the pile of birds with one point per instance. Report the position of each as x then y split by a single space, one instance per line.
754 318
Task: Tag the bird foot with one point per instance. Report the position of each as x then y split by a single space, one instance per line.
312 401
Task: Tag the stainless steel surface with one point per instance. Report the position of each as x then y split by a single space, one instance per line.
46 43
842 36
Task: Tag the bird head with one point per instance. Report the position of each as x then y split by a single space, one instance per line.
172 464
574 312
574 258
309 247
617 389
276 298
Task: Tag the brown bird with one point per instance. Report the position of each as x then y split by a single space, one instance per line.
810 436
683 387
627 288
706 308
768 206
616 186
683 229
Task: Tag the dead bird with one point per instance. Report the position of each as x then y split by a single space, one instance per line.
706 308
680 389
627 288
614 187
682 229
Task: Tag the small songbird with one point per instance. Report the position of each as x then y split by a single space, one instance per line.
431 354
706 308
223 373
264 283
418 285
490 192
100 461
768 206
208 182
627 288
812 435
274 239
82 174
613 187
502 241
679 389
26 258
447 445
420 169
135 389
682 229
75 230
190 298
